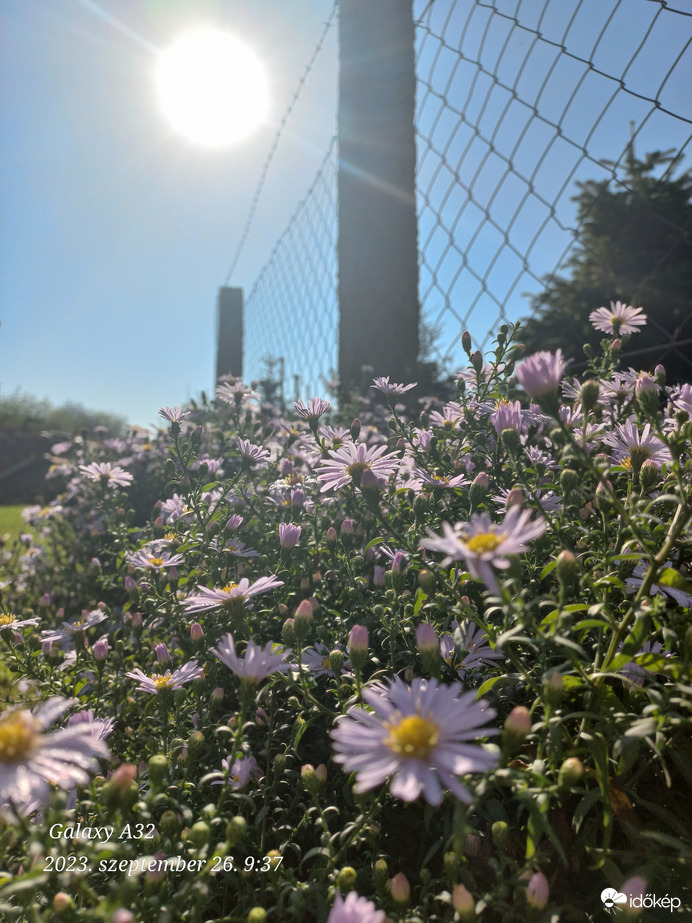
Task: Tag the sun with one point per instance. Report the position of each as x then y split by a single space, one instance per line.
212 88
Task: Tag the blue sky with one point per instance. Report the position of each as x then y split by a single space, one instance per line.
116 232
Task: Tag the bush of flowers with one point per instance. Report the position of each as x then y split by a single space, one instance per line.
431 664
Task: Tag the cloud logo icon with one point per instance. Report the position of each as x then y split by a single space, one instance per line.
610 896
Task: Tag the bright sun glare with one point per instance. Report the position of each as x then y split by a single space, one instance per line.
212 88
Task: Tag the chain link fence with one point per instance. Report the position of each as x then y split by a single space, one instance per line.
517 102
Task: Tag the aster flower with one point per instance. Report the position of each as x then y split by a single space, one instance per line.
540 374
483 545
152 561
347 464
316 659
69 629
10 620
231 594
231 390
387 387
157 682
354 909
107 473
257 662
316 407
31 761
421 478
637 578
173 414
289 535
242 770
468 649
620 319
632 448
416 734
507 415
100 728
251 453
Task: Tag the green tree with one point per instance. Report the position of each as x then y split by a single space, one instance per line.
635 246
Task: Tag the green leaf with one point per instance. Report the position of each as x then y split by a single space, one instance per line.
671 577
375 541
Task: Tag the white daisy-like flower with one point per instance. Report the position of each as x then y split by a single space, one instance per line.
384 385
316 407
620 319
256 664
416 735
107 473
173 414
152 561
10 620
157 682
233 594
483 544
347 464
31 761
354 909
632 448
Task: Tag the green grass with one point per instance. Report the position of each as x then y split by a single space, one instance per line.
11 521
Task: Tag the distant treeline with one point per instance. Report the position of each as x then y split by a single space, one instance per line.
23 413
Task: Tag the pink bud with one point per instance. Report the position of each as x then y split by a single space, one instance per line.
330 535
100 649
358 638
426 639
304 611
347 527
162 653
518 721
537 891
400 888
196 631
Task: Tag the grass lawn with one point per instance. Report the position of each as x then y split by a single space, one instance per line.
11 521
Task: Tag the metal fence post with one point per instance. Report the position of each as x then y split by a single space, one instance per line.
229 332
378 241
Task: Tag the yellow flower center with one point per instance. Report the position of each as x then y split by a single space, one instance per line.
147 447
229 586
7 618
325 664
357 468
485 541
19 736
161 681
155 562
413 736
295 477
626 462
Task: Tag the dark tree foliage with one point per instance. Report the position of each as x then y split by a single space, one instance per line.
635 246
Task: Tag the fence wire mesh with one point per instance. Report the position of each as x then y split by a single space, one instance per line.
291 314
518 100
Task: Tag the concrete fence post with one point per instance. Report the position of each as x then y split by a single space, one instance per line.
229 332
378 240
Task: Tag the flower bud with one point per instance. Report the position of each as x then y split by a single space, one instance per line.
500 834
330 536
380 874
466 344
346 879
646 391
358 646
257 915
463 903
514 498
569 480
400 889
122 915
649 476
196 631
198 835
158 767
479 488
427 581
553 689
121 790
566 568
288 632
235 830
169 824
571 772
336 661
162 653
355 429
517 726
477 360
100 649
537 891
62 902
588 394
511 439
